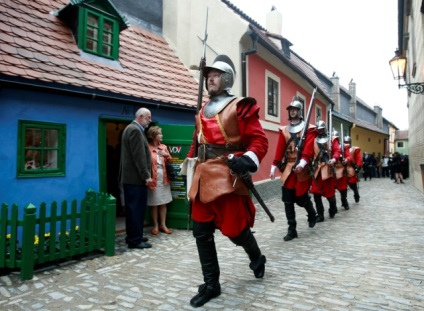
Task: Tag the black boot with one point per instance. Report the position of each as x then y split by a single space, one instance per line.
333 207
312 215
257 261
343 195
354 187
320 207
291 233
210 269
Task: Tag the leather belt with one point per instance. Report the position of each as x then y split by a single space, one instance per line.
213 151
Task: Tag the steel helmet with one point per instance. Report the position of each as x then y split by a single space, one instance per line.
320 125
224 64
335 133
296 103
322 136
347 139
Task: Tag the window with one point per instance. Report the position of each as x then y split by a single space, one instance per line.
400 144
318 113
98 34
41 149
272 97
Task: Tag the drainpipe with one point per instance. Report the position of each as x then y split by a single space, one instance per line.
243 62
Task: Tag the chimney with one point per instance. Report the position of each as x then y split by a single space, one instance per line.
352 103
379 117
335 91
274 21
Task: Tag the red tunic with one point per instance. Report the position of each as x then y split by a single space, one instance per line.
341 182
230 211
292 181
322 184
355 160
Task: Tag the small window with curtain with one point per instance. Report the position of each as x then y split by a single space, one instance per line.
41 149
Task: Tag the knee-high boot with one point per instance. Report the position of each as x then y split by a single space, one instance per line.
320 207
343 196
356 196
291 221
210 269
248 241
333 206
306 203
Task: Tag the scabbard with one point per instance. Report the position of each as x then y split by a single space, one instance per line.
248 182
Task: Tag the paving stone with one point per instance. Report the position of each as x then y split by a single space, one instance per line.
368 258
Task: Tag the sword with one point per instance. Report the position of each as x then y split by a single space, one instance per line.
247 179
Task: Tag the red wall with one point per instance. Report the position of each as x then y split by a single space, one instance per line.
288 88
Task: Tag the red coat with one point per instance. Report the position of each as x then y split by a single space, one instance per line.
325 181
290 179
341 170
355 160
214 192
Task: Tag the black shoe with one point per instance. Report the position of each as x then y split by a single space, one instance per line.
320 218
357 199
144 239
291 235
312 220
140 246
206 293
346 206
258 267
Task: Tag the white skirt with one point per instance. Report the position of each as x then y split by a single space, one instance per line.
162 194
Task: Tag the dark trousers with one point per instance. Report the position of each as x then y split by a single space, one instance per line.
135 208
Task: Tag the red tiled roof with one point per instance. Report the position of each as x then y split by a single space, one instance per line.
36 45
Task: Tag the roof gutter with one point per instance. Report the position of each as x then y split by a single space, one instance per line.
94 95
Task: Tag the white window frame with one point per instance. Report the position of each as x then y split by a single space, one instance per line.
268 117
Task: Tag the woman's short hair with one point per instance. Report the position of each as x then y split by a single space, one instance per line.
152 132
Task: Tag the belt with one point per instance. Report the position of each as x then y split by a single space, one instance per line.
213 151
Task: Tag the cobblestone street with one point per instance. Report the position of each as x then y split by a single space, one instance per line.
370 257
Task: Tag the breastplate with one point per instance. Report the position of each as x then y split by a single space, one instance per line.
216 105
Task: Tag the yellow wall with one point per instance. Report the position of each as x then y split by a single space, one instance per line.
368 141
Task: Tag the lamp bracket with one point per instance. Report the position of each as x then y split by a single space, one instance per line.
416 88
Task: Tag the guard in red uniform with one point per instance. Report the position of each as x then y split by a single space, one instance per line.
353 167
341 172
220 200
295 180
324 180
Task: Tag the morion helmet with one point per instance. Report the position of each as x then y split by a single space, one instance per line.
224 64
347 139
322 137
296 103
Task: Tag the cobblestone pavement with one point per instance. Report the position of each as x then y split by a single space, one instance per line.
370 257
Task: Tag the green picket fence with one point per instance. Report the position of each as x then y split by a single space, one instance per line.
54 236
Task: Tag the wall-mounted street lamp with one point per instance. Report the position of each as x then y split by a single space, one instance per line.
398 66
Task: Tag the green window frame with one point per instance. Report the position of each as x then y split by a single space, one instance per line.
98 34
41 149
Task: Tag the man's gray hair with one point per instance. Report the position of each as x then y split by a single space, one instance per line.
141 112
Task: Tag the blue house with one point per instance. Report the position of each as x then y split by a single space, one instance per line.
72 75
